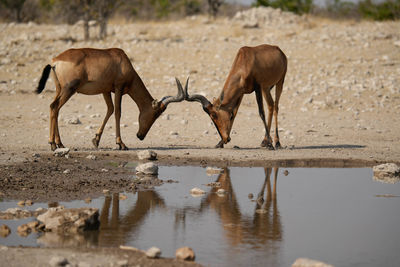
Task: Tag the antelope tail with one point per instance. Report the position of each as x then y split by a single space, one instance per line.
43 79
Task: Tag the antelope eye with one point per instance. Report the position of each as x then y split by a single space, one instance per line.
214 116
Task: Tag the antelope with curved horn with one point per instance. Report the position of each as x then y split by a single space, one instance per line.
255 69
101 71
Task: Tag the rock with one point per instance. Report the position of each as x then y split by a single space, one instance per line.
70 220
304 262
24 230
153 253
121 263
92 157
250 196
56 261
387 173
286 173
147 155
122 196
29 202
33 225
197 191
173 133
214 184
261 211
147 169
221 192
67 171
21 203
266 16
250 24
13 211
74 120
61 152
4 230
212 171
185 253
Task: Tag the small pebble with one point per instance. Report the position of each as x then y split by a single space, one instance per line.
153 253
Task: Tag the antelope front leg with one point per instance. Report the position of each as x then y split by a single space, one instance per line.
118 98
220 144
110 110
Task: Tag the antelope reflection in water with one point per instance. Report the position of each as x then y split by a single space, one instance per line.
116 230
263 227
265 224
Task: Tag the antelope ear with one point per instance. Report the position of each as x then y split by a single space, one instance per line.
155 104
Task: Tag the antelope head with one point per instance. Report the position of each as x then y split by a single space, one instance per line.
149 115
221 116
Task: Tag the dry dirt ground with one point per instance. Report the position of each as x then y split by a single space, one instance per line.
340 104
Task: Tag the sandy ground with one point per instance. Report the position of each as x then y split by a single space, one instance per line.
340 104
341 98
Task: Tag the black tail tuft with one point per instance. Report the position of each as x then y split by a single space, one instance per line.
43 79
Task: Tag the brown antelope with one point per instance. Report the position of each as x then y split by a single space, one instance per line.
256 69
101 71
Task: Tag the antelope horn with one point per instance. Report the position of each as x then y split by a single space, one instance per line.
178 98
198 98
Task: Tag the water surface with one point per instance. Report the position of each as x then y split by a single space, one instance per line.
340 216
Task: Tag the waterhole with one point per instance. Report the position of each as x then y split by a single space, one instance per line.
264 217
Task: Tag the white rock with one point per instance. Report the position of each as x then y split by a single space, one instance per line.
67 171
213 171
70 220
13 210
197 191
147 155
221 192
261 211
61 152
153 253
185 253
74 120
304 262
147 169
387 173
92 157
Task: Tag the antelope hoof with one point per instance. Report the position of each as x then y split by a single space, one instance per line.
60 145
53 146
122 146
95 142
220 144
267 145
278 145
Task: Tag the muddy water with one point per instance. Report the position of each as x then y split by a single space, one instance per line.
340 216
